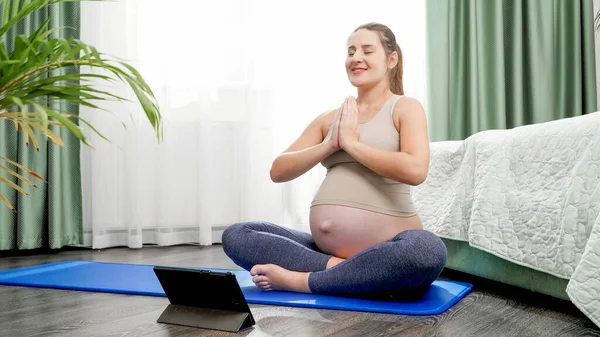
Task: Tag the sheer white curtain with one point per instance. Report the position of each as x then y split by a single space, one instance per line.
237 82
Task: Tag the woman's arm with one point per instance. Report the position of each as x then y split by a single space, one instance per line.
307 151
411 164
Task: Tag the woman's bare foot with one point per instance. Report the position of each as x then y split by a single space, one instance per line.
273 277
334 261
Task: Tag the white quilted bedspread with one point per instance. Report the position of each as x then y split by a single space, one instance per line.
530 195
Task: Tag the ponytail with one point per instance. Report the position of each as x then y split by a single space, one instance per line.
396 75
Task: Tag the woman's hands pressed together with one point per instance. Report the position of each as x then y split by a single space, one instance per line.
343 130
348 132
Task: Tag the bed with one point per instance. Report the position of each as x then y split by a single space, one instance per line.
521 206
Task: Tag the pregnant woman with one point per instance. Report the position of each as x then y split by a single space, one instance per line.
367 238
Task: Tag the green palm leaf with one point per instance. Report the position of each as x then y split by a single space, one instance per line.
41 70
18 176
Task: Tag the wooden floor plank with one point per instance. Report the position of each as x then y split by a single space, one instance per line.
490 310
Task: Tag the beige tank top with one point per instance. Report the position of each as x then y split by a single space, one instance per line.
349 183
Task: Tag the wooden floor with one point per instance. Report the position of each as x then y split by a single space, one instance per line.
490 310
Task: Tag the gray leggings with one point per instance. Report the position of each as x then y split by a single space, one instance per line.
412 260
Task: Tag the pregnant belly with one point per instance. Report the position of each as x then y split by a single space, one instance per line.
344 231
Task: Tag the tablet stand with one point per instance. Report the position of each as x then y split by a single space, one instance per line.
206 318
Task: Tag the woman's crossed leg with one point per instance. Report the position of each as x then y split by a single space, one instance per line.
280 258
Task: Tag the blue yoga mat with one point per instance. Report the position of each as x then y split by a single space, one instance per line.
137 279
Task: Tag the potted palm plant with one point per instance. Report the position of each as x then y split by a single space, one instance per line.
34 73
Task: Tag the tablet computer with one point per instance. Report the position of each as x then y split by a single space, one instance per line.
204 299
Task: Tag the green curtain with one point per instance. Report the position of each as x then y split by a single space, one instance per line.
51 216
498 64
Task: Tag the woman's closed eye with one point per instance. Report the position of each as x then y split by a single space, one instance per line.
366 53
